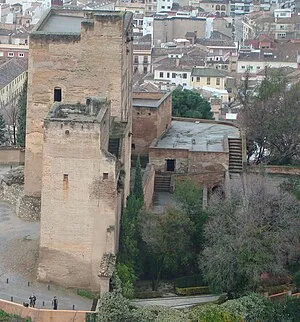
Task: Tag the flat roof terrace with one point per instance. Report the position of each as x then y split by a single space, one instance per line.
62 24
68 21
145 102
197 136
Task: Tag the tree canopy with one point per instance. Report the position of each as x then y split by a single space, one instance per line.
271 118
189 103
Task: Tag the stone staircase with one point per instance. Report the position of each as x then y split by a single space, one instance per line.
162 183
235 156
114 147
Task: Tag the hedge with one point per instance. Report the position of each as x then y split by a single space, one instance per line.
198 290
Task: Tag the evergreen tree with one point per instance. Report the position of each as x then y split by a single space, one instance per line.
2 130
22 106
189 103
138 190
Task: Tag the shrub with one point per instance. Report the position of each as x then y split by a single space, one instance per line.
257 307
157 314
113 307
188 281
213 313
199 290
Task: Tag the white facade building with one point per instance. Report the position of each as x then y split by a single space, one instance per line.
164 5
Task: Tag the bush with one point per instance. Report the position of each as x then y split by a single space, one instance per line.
199 290
213 313
148 294
256 307
157 314
188 281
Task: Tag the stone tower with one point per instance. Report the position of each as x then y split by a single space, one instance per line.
78 142
74 54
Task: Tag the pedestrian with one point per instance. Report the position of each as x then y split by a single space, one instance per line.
33 300
55 303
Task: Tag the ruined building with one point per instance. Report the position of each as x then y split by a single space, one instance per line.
78 142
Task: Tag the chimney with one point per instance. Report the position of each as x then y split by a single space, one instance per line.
177 62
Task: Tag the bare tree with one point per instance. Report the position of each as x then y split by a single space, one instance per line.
246 239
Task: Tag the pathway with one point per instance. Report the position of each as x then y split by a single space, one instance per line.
19 240
177 302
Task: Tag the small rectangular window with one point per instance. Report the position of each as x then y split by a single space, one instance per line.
173 75
57 94
105 175
218 81
208 81
198 79
11 54
65 181
168 75
184 75
21 54
161 75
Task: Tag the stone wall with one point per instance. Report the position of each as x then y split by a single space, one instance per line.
275 169
189 161
148 184
41 315
12 155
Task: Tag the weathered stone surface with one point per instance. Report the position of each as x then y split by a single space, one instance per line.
29 207
14 176
12 191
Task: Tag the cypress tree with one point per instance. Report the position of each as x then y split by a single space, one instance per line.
22 106
2 130
138 190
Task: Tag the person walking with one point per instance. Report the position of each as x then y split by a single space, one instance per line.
55 303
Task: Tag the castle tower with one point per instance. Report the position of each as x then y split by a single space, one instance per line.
78 145
74 54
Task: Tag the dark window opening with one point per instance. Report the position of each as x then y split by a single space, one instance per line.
105 175
133 146
171 165
57 94
66 182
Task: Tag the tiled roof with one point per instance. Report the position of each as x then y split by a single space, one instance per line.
215 42
11 69
209 72
283 52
